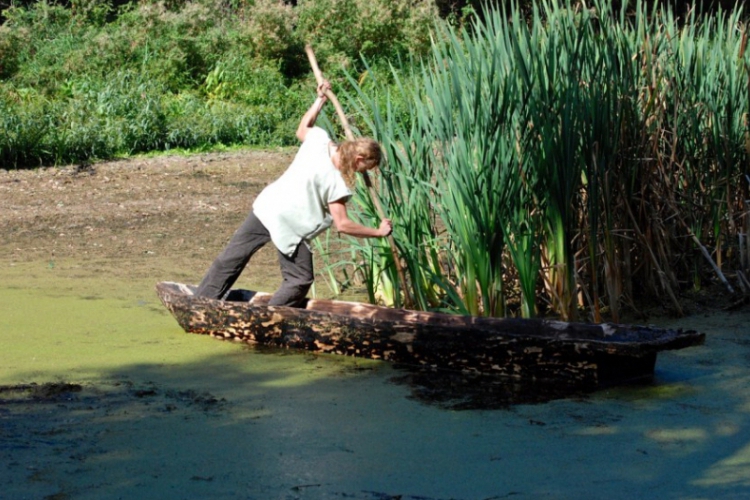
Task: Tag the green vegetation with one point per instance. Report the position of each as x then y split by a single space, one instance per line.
91 81
574 161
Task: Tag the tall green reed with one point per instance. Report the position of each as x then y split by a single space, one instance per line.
576 159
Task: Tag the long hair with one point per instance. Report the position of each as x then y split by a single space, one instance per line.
348 152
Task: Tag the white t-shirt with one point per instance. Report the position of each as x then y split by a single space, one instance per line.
295 206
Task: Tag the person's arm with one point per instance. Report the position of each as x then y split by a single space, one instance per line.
344 224
308 119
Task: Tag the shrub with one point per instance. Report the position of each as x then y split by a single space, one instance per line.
266 28
91 12
22 130
343 30
10 48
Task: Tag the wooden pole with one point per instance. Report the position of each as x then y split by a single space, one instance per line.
373 194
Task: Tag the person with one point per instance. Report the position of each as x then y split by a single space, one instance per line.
309 196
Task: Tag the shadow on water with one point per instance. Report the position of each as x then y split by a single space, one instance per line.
456 391
209 430
466 391
287 425
451 390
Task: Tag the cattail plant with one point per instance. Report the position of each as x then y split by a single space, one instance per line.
573 161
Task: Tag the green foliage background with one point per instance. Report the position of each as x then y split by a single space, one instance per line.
95 80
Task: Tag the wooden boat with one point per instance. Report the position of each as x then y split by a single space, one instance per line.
574 354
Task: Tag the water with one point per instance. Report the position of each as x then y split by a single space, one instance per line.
126 405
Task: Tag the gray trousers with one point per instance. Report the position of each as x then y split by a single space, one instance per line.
296 271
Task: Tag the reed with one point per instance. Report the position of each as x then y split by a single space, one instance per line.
574 161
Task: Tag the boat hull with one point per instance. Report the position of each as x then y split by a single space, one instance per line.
570 354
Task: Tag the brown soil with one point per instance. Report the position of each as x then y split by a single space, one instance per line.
162 218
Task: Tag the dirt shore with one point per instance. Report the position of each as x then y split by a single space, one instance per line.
136 217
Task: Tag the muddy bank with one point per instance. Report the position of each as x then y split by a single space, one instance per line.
138 218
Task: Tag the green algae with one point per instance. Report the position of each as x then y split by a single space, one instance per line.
71 323
102 395
58 323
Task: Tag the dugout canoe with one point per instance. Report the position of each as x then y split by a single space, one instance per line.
579 355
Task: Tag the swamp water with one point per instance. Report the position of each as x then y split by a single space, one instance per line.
103 396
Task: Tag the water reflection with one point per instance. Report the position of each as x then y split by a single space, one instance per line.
467 391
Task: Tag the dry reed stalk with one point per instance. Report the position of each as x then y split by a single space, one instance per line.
662 276
711 261
705 251
745 280
742 281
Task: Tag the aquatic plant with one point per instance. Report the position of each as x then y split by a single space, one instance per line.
577 160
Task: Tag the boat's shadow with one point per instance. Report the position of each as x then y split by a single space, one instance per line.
467 391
